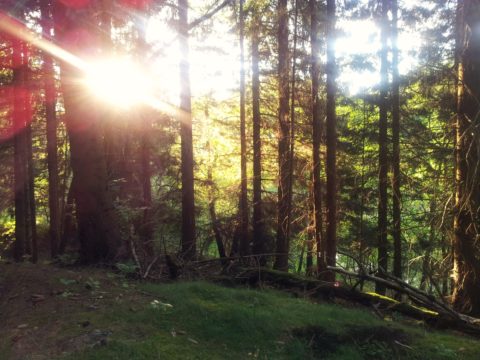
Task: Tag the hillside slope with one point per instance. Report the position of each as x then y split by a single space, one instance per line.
53 313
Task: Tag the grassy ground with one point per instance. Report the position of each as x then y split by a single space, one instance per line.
52 313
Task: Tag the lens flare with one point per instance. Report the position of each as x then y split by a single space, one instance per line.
120 82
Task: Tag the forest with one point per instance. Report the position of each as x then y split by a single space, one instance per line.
326 149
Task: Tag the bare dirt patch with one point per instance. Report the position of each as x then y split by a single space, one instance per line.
46 311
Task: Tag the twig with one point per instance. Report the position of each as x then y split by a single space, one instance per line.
149 267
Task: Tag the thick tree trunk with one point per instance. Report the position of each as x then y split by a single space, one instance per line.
317 139
397 200
97 222
466 296
50 115
19 141
258 236
331 140
383 150
188 198
282 248
244 241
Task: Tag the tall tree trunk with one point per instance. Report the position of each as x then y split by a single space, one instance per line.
317 137
383 150
291 152
459 31
97 221
258 235
244 241
282 248
331 140
188 199
20 170
146 230
361 235
50 115
32 211
397 200
466 296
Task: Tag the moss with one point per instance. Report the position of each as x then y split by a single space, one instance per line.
196 320
209 321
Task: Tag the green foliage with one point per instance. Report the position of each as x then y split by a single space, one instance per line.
128 268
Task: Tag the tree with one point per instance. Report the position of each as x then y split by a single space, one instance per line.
146 230
50 115
316 135
20 170
97 221
188 196
293 99
32 244
396 231
282 248
466 296
383 148
258 222
331 140
244 241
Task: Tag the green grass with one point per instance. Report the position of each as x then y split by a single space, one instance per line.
213 322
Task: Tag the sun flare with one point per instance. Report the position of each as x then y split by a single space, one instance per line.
119 82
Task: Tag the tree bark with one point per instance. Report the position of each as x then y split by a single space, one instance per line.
331 139
397 199
282 248
50 115
466 296
32 209
382 244
19 141
291 151
258 235
317 138
244 241
188 198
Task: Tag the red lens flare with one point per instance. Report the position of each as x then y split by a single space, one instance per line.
136 4
75 4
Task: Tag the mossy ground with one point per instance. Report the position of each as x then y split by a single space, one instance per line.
96 314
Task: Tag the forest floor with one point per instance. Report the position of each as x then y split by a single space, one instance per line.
49 312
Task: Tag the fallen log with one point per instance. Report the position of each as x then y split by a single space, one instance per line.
417 296
317 289
445 313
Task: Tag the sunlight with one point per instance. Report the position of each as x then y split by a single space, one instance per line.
358 53
120 82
